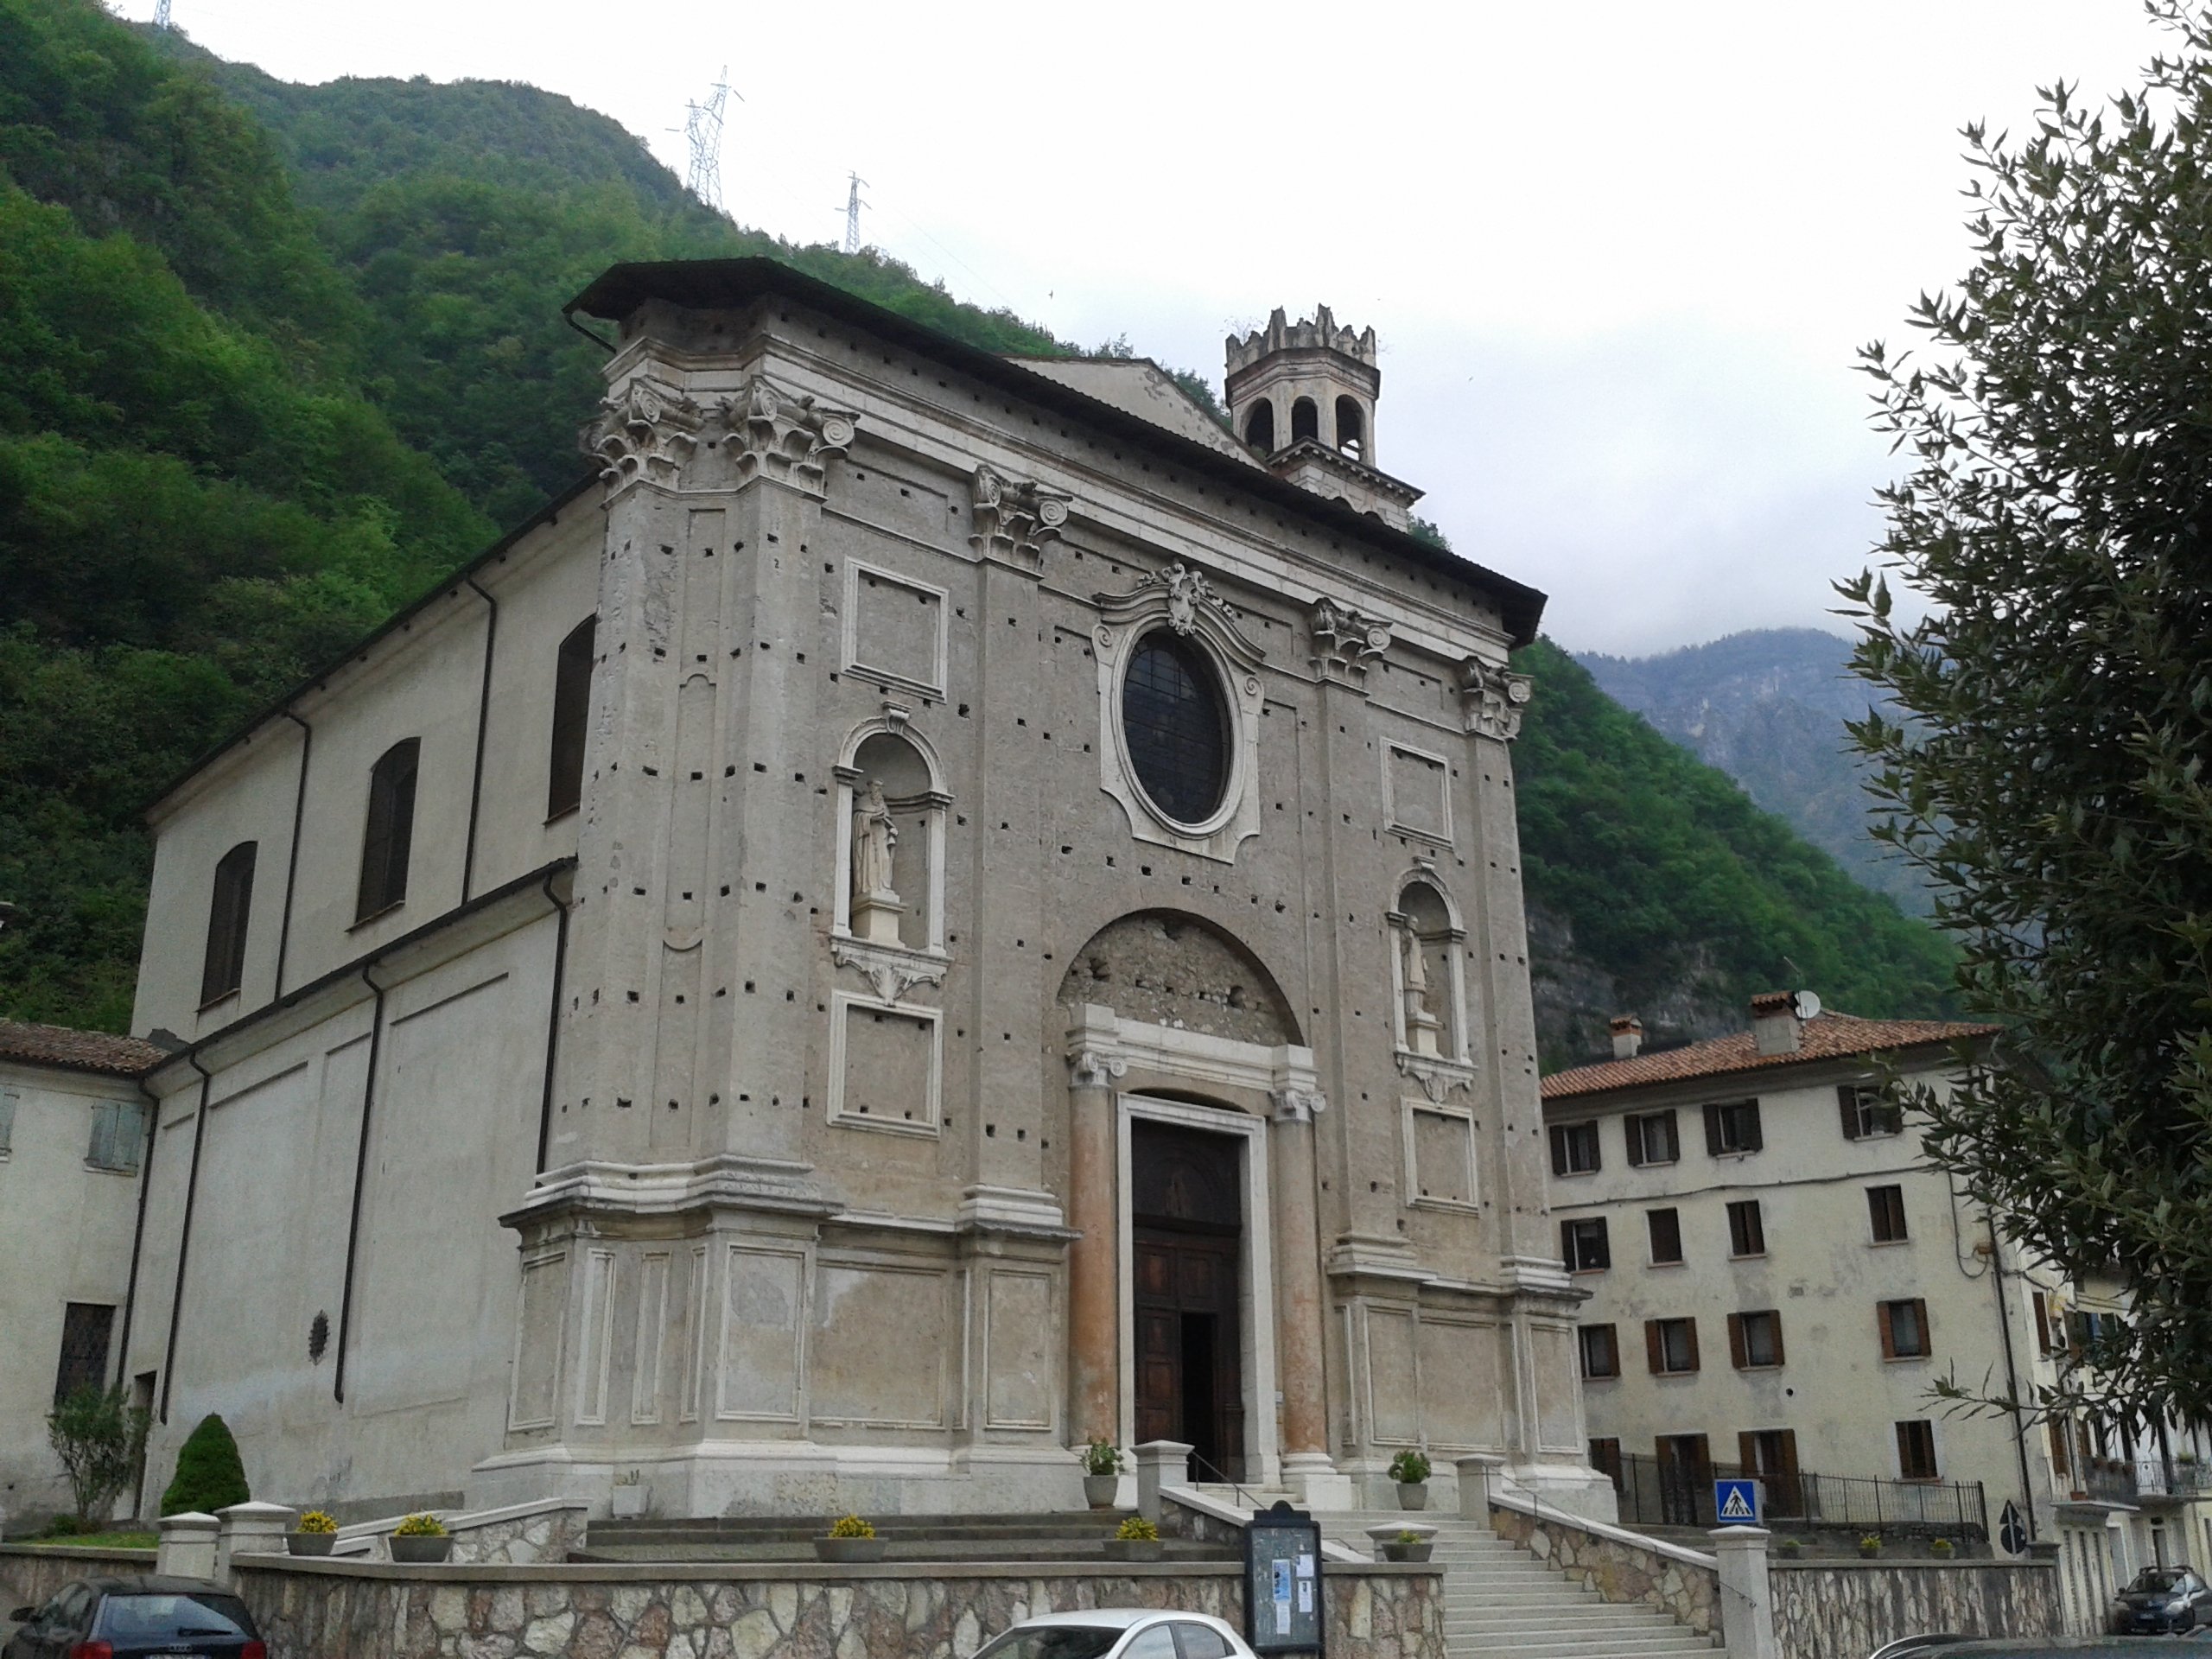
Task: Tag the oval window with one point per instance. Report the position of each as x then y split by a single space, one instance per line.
1176 723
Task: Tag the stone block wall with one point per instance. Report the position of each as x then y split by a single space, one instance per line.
1825 1608
1617 1569
28 1574
327 1610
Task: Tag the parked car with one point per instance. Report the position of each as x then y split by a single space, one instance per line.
1918 1647
1118 1633
134 1617
2163 1598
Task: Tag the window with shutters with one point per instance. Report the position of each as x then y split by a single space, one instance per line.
1746 1229
1651 1139
388 834
85 1329
2061 1432
1866 1114
1905 1328
1770 1455
118 1140
1575 1149
1755 1340
1606 1457
1916 1450
1666 1228
1732 1127
1601 1352
223 969
1885 1214
1671 1346
8 1098
1584 1246
2044 1341
564 786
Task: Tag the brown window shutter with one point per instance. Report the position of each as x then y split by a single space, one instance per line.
1632 1128
1692 1323
1780 1357
1747 1448
1756 1140
1790 1455
2060 1463
1927 1333
1712 1129
1846 1100
2043 1321
1737 1354
1666 1133
1654 1351
1889 1338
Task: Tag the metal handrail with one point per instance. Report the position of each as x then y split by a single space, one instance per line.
1195 1461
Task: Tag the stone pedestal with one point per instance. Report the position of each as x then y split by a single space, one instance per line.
1477 1474
250 1529
1746 1594
875 918
187 1546
1160 1463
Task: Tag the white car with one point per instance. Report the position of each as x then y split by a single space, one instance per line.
1118 1633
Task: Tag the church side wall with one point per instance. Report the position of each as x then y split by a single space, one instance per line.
452 1139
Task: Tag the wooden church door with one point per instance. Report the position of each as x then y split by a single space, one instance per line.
1187 1249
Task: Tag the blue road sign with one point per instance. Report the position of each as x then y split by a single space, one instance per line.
1736 1502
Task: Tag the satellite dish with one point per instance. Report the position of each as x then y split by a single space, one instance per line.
1805 1005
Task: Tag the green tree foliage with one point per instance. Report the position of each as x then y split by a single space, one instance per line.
2050 779
1665 868
209 1475
98 1437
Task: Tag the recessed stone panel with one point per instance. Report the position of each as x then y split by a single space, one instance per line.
538 1341
1463 1393
880 1335
894 628
1020 1337
1393 1393
758 1371
1415 793
886 1062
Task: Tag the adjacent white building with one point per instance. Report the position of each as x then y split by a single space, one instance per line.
1779 1276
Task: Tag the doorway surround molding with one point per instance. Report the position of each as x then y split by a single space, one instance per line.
1101 1049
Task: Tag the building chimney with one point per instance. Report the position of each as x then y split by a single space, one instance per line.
1627 1036
1778 1019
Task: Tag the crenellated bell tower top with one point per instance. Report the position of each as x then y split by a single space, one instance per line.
1302 396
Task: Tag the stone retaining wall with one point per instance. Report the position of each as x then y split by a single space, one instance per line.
29 1574
1617 1570
343 1610
1825 1608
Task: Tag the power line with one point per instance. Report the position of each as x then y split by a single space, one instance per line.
703 132
853 205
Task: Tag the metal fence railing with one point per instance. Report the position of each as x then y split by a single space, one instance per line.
1680 1494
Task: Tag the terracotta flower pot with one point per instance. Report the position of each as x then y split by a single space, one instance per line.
310 1543
849 1551
417 1549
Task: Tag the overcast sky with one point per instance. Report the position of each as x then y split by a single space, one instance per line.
1620 254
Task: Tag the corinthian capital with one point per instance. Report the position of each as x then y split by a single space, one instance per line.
1345 641
784 434
645 434
1493 698
1014 519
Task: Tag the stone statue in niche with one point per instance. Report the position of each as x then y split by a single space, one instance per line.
1421 1025
876 907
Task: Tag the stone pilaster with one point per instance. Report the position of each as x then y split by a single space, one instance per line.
1094 1322
1301 1309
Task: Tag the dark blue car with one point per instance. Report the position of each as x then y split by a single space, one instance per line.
133 1616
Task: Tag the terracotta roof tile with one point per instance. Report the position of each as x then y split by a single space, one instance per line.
76 1051
1825 1037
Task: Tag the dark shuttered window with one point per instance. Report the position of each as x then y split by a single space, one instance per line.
564 787
389 833
228 911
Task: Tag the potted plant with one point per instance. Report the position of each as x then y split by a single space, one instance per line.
315 1535
1102 1474
1137 1540
1871 1545
420 1538
1408 1546
1941 1550
1410 1471
1790 1548
631 1495
849 1540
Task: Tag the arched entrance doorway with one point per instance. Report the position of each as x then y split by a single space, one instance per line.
1187 1223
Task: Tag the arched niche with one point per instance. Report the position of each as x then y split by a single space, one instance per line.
1305 420
1351 428
1260 427
1428 967
1167 968
892 808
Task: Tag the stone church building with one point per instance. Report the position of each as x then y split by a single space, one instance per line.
936 908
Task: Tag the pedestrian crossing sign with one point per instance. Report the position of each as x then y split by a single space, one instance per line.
1736 1503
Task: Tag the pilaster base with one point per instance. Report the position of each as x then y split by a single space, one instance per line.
1313 1479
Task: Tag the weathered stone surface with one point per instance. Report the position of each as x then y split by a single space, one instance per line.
1824 1608
1618 1572
558 1613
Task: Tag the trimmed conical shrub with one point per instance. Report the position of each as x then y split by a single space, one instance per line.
209 1475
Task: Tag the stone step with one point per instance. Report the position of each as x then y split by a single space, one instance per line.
1604 1612
1579 1644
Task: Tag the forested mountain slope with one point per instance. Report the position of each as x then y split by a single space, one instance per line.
275 358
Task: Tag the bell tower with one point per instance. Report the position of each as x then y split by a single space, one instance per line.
1301 396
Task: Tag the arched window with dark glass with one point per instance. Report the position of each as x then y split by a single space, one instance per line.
1351 428
564 786
1176 723
227 912
1260 427
389 835
1305 420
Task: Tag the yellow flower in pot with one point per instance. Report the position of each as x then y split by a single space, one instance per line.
314 1534
849 1540
420 1538
1136 1540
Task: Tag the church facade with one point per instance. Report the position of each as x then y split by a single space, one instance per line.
938 909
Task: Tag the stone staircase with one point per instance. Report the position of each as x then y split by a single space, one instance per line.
1501 1603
